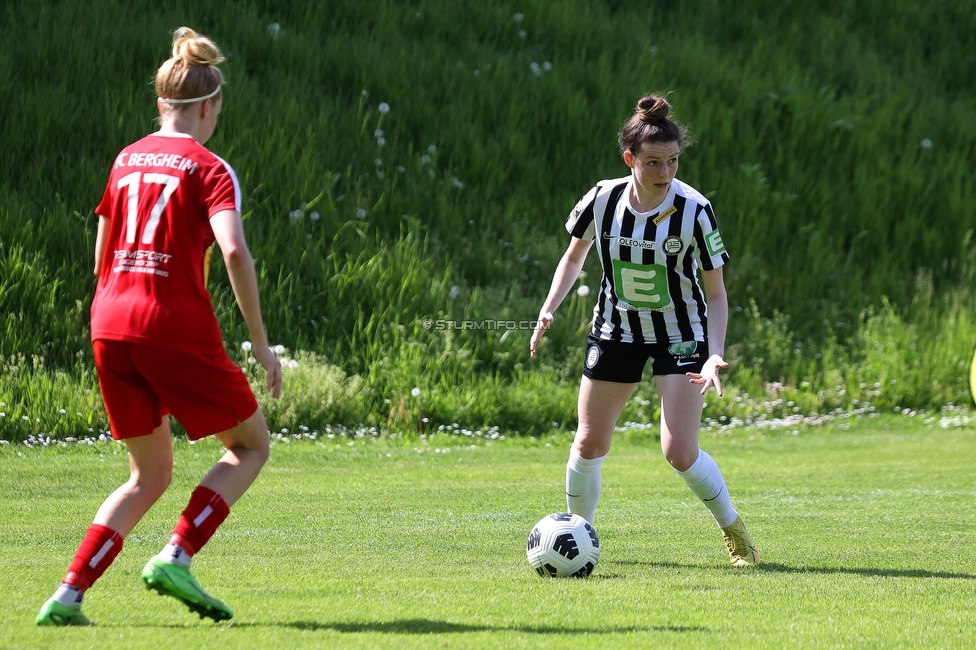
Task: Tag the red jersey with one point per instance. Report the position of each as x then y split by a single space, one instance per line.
161 194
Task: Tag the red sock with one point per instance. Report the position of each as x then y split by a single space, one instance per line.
96 552
199 521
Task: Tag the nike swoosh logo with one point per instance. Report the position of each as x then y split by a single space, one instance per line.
715 497
573 496
684 363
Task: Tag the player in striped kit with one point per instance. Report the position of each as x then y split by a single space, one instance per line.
157 344
652 233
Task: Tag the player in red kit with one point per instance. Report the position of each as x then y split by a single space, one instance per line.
158 349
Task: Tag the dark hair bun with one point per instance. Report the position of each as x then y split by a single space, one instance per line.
651 122
652 108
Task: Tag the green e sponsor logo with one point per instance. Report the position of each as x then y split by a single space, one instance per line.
683 349
644 286
713 241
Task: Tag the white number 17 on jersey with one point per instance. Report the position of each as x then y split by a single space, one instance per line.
134 181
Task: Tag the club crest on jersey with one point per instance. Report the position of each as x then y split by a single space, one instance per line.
684 349
592 356
659 219
672 245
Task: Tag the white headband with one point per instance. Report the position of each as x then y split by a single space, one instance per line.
191 100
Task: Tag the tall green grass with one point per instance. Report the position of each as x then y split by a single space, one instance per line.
834 140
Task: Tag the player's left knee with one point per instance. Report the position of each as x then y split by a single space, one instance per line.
153 481
681 459
262 453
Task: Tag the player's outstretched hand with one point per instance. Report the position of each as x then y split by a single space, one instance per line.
266 357
709 374
541 325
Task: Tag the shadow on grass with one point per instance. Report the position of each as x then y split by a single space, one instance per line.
772 567
428 626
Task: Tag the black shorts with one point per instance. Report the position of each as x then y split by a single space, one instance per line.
624 362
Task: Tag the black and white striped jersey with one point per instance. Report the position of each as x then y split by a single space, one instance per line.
650 291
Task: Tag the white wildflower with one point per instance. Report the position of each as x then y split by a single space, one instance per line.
246 346
415 392
583 290
383 108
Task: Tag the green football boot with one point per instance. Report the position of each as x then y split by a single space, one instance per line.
175 580
742 550
54 613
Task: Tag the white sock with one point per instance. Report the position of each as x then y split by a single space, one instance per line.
705 480
175 554
69 595
583 479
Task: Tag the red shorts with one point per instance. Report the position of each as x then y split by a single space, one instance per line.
140 384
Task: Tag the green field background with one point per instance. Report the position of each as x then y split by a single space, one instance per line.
865 536
836 140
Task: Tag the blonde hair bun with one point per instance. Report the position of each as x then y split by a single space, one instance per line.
192 71
194 48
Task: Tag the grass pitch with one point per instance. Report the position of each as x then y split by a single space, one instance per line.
865 534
